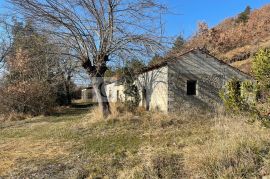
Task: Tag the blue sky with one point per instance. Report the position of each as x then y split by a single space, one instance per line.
190 12
187 13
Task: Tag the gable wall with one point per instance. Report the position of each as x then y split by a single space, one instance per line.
210 74
155 83
111 91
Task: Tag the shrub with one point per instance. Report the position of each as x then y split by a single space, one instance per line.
261 70
231 96
32 98
131 91
240 97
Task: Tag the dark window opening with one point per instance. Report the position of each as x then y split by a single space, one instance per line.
191 87
117 96
143 96
238 88
145 101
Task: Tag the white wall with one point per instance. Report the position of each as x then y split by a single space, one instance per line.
155 83
111 91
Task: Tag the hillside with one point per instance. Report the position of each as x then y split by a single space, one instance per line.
233 41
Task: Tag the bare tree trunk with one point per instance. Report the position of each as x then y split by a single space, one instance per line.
99 87
96 74
68 95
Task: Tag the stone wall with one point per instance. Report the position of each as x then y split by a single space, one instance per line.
207 91
210 75
153 83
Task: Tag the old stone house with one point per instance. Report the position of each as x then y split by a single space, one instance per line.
193 79
87 94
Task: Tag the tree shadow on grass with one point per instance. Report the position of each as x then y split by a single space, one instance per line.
65 114
75 109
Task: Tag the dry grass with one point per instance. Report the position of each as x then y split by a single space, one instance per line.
189 144
117 111
243 65
25 151
13 117
237 51
2 118
236 149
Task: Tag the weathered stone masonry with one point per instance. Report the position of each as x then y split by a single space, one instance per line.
209 74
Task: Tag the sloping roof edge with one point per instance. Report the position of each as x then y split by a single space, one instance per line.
224 63
165 63
202 50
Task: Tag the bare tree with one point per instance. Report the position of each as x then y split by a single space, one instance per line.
69 68
5 39
99 31
31 80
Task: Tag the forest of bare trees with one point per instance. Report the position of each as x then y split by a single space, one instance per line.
51 42
99 32
36 77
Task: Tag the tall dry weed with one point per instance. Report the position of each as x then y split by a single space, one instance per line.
237 149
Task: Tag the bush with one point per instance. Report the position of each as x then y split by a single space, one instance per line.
261 70
131 91
231 96
32 98
240 97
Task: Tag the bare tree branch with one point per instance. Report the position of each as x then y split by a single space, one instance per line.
99 30
5 40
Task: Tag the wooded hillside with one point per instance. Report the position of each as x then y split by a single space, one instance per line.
236 39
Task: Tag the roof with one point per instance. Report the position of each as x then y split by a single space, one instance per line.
162 64
221 61
173 59
202 50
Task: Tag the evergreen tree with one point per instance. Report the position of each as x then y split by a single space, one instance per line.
179 43
244 16
131 90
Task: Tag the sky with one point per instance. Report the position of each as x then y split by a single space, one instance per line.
187 13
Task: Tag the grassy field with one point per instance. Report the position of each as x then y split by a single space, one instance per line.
75 143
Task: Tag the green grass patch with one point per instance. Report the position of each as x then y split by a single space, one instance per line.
102 145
